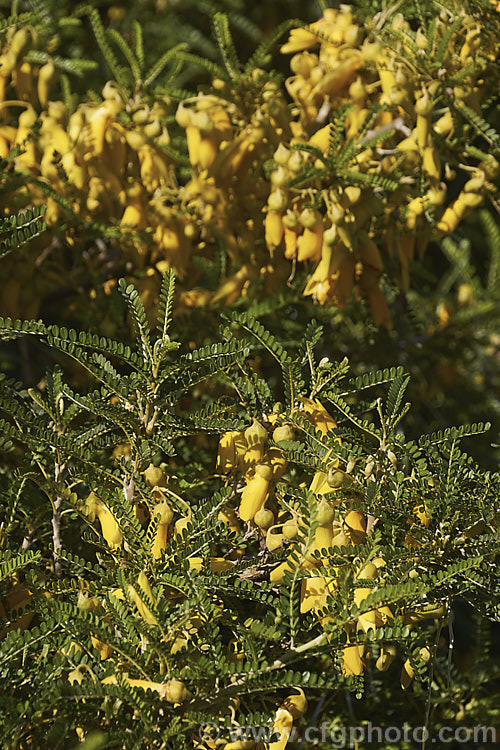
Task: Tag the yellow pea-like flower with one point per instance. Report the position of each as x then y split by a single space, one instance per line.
215 564
226 455
253 497
133 216
431 163
145 612
407 674
330 84
352 663
321 138
282 724
228 516
250 458
444 126
273 540
309 243
386 657
207 151
24 81
314 592
105 650
299 40
45 77
274 229
423 109
291 237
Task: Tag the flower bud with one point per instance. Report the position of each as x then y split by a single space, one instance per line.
176 691
256 433
285 432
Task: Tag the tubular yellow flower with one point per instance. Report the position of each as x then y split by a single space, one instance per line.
282 724
274 230
145 612
423 109
431 163
253 497
226 456
299 40
45 77
314 592
352 663
386 657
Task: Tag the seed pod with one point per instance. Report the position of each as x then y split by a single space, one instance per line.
475 530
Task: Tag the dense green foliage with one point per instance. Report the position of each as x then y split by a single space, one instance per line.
230 496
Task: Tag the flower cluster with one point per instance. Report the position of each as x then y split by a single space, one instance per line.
344 172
